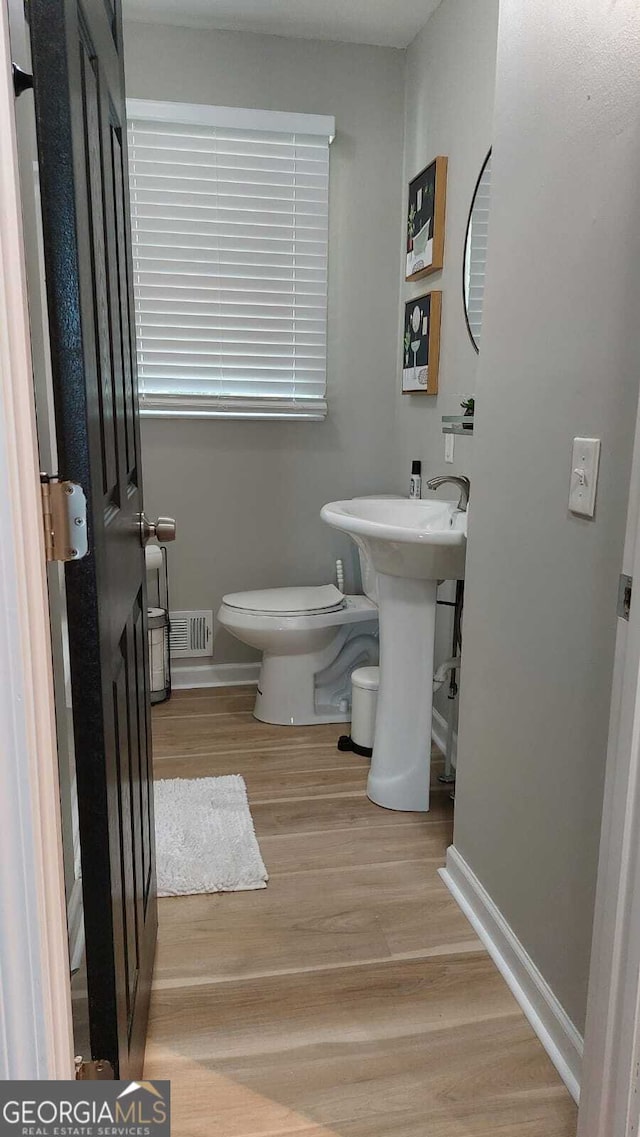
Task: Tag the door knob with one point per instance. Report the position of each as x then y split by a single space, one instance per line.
164 529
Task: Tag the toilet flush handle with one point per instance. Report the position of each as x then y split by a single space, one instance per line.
164 529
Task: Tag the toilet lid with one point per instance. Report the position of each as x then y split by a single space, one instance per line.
287 601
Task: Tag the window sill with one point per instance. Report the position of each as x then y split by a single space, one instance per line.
257 410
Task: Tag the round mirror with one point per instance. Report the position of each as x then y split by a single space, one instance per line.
475 253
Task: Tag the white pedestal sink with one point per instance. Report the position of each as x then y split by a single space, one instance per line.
412 545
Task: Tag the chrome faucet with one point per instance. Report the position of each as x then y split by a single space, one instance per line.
463 484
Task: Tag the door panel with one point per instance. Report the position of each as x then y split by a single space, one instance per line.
80 114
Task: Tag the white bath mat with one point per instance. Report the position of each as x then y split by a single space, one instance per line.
205 840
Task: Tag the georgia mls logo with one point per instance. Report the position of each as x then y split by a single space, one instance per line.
133 1114
85 1109
148 1086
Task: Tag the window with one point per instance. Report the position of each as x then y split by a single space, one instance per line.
229 211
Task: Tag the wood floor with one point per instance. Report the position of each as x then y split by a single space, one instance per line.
350 998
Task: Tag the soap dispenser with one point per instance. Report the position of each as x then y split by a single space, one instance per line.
415 483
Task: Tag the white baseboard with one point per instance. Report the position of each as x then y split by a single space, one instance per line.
439 728
186 674
560 1038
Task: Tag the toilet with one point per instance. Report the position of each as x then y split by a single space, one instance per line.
311 639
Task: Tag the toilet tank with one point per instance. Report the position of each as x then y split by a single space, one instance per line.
368 573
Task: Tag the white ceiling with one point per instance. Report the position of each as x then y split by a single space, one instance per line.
387 23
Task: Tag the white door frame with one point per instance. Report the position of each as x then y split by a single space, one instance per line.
36 1038
610 1099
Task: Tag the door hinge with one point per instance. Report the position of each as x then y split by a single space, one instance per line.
64 516
100 1070
625 589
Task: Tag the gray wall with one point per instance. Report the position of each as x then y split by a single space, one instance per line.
247 496
450 77
559 358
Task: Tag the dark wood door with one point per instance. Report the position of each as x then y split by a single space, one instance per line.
80 113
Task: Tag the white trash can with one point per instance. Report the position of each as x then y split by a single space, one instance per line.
364 700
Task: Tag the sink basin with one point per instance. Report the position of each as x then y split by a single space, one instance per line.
412 545
423 540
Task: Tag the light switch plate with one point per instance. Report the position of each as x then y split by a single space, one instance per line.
585 459
449 441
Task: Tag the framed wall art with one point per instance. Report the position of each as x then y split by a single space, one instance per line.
425 220
421 344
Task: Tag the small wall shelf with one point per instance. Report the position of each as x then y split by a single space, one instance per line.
457 424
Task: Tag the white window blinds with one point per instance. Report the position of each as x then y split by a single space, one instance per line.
229 211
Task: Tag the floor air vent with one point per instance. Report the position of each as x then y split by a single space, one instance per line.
191 633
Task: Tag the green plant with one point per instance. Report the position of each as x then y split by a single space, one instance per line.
469 408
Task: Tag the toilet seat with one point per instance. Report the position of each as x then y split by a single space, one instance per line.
305 601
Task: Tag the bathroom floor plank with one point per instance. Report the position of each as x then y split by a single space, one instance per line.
272 1015
268 771
310 782
216 1100
233 729
235 699
339 1084
369 845
274 773
313 919
326 814
350 998
273 758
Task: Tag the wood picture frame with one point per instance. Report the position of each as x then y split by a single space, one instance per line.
421 344
426 209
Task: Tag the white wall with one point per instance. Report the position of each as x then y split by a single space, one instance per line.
559 358
247 496
450 77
